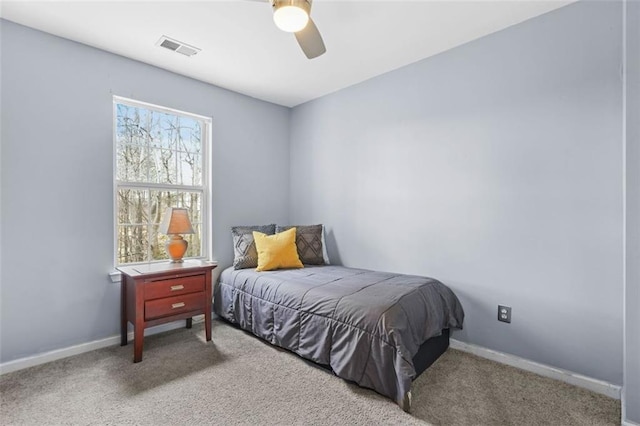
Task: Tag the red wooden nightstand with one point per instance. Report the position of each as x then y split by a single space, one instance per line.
157 293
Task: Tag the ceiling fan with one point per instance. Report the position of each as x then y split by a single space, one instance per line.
292 16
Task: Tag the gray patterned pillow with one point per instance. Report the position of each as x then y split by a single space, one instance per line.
309 243
244 248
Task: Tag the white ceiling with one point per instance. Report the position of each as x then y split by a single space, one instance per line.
242 50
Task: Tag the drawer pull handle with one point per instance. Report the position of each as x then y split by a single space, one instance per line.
177 305
177 287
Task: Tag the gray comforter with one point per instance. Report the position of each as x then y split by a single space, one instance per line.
367 326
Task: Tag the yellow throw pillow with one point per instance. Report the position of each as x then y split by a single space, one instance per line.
277 251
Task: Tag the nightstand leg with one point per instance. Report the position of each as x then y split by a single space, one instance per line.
138 327
123 334
123 312
189 322
207 323
207 305
138 341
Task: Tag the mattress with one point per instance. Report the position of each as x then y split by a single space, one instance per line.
367 326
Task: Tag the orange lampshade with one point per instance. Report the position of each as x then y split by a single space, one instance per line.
176 221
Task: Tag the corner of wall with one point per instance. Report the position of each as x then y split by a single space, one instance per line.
290 162
631 160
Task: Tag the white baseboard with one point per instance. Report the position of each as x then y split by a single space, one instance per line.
599 386
625 421
45 357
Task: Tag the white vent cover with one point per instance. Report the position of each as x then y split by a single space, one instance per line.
177 46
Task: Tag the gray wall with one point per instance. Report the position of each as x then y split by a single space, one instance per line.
495 167
632 300
57 180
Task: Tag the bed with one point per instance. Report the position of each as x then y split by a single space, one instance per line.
377 329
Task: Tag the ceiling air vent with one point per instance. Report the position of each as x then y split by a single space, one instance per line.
177 46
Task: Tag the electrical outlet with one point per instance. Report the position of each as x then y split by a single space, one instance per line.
504 313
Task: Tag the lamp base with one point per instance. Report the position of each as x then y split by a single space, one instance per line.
176 248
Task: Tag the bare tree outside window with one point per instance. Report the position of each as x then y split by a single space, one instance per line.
159 164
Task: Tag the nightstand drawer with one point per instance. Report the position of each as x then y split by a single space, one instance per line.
173 305
173 287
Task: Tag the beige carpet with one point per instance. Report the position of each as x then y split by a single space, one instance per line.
241 380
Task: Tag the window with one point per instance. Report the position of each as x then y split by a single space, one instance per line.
160 161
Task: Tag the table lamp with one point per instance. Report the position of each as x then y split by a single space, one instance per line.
176 222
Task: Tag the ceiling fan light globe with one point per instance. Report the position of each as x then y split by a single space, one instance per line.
290 19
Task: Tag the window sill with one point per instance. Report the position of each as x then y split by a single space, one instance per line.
116 276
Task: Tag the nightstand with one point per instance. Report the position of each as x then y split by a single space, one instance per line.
157 293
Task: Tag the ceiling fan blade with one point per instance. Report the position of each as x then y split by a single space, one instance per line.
310 40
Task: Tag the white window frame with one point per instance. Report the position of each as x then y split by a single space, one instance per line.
206 176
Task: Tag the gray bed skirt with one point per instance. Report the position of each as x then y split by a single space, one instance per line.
366 326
